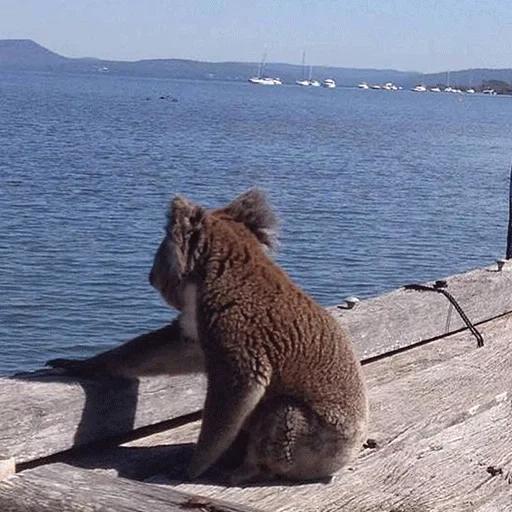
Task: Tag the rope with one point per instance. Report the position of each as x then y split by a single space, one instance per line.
440 287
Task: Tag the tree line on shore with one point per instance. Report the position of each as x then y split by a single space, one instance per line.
498 86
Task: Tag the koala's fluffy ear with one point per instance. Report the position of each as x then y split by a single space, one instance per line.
184 223
252 209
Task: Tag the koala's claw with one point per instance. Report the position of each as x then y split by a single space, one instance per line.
196 468
73 366
61 363
244 475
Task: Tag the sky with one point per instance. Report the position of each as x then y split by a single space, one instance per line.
426 35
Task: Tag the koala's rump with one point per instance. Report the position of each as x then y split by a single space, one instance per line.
309 355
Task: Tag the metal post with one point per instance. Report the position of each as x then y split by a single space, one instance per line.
509 235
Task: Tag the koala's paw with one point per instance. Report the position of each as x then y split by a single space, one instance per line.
72 366
246 474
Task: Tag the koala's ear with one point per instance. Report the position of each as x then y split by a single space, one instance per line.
184 214
184 222
252 209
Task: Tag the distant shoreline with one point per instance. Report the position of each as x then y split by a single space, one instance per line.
25 54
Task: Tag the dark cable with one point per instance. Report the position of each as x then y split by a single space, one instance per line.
440 287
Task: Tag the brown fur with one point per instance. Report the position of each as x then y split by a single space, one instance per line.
279 367
162 351
308 414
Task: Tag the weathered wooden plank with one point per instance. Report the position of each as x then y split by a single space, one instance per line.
437 397
7 468
404 317
499 501
164 452
448 471
460 397
457 392
44 414
52 413
67 489
425 356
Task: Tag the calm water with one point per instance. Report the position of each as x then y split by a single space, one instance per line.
375 190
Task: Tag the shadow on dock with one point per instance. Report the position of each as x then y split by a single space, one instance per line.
109 407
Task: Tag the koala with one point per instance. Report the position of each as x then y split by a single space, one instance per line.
280 369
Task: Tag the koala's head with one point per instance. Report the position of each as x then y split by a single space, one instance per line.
181 254
176 257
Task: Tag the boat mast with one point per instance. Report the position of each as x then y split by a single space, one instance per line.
262 65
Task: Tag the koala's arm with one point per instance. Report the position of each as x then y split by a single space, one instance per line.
225 412
162 351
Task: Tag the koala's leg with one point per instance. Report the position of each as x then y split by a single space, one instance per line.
289 441
162 351
225 413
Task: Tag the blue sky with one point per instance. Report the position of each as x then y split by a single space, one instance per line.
426 35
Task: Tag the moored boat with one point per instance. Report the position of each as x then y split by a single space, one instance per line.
260 79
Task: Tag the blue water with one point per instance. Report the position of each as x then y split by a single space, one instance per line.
375 190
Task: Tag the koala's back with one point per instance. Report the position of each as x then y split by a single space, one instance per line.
260 317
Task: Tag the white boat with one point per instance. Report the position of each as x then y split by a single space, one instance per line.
455 89
363 85
265 80
448 88
309 82
471 91
312 82
390 86
304 82
329 83
419 88
260 79
376 87
435 89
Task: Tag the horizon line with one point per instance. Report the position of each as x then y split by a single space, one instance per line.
251 62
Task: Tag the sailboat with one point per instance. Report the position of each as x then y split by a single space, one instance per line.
312 82
448 88
260 79
303 82
470 90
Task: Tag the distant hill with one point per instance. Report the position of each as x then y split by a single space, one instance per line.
469 77
24 54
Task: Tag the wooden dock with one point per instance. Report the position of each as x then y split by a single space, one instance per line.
441 422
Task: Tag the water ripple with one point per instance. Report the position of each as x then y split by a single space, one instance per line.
375 190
